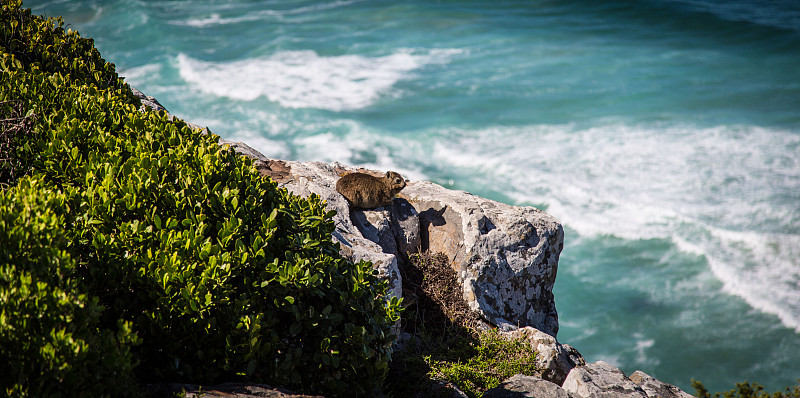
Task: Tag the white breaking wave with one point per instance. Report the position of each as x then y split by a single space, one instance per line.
303 79
729 193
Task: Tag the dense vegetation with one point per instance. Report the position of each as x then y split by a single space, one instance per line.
137 250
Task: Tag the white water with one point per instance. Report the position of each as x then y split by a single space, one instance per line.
708 190
303 79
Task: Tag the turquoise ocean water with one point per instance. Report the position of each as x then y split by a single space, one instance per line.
664 134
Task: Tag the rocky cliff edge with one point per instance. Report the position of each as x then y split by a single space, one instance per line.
506 258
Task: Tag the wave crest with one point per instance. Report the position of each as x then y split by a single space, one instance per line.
303 79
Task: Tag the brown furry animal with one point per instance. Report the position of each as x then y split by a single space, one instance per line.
364 191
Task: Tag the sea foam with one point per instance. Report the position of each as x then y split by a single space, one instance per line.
728 193
304 79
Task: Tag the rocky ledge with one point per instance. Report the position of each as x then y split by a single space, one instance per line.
506 259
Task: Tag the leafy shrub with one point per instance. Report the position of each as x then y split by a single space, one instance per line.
485 364
448 344
49 341
44 43
221 274
746 390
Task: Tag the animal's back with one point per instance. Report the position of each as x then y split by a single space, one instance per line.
365 191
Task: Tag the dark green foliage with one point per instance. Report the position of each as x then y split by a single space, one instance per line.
45 44
746 390
219 274
50 343
449 345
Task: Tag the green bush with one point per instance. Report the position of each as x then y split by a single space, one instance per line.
746 390
44 43
50 343
485 364
221 274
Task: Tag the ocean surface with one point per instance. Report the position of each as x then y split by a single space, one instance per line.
663 134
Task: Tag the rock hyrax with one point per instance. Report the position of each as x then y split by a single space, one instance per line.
364 191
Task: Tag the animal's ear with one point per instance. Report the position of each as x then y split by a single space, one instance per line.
388 174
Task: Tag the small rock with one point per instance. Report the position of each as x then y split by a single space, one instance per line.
600 380
655 388
554 360
147 101
521 386
225 390
445 389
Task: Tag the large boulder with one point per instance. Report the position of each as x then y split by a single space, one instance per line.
554 360
506 256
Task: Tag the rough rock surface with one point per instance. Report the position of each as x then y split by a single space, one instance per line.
520 386
506 256
599 380
657 389
554 360
147 101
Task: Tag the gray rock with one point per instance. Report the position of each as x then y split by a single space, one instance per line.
521 386
655 388
506 256
554 360
148 102
599 380
225 390
444 389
